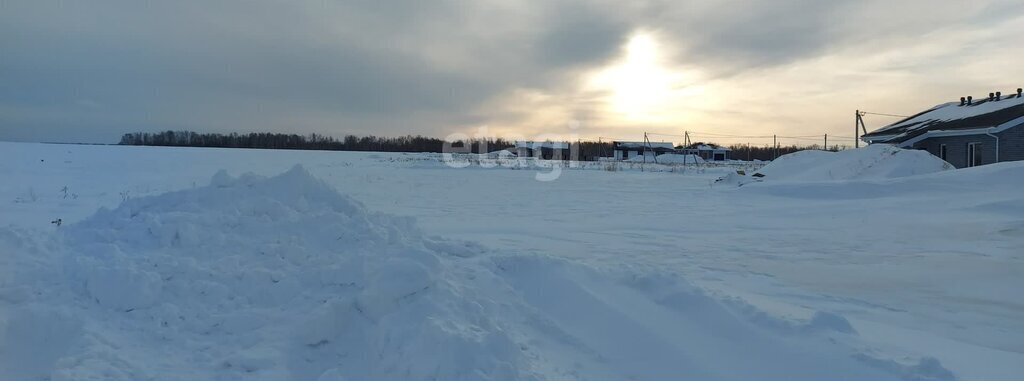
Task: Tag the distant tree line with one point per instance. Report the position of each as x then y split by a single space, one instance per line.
270 140
409 143
588 150
767 152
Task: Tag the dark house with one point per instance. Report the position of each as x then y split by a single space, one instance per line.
546 150
965 133
631 150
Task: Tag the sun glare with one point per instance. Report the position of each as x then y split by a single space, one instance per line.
640 85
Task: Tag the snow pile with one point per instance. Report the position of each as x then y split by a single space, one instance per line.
737 179
283 278
874 162
670 158
642 324
253 278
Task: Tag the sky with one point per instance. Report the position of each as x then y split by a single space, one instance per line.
728 71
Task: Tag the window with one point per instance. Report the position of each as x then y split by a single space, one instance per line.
973 154
942 152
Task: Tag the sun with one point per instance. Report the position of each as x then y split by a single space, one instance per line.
641 85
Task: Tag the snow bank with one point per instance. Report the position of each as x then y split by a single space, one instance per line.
254 278
643 324
283 278
874 162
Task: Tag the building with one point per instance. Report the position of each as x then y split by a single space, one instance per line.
630 150
708 152
965 133
546 150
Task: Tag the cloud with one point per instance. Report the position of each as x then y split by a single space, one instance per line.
735 35
579 34
89 71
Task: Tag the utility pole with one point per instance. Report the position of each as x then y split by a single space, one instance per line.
863 128
856 129
647 144
858 126
775 147
686 147
826 142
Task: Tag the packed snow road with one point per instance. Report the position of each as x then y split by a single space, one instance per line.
595 275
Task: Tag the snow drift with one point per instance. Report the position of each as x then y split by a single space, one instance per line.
874 162
279 278
284 278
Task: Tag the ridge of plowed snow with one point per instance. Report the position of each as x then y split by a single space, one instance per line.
874 162
284 278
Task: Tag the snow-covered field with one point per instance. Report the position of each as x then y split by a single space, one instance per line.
174 263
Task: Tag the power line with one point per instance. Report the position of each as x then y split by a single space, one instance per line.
730 136
883 114
711 134
799 138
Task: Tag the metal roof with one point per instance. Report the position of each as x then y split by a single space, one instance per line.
951 117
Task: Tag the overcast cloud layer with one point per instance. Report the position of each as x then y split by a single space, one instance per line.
90 71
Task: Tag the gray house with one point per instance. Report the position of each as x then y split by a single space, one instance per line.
708 152
631 150
546 150
964 134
